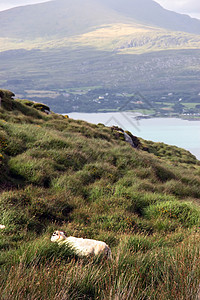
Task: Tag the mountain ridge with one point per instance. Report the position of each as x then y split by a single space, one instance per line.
63 18
152 13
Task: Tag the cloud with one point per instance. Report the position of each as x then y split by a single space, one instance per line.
6 4
21 2
182 6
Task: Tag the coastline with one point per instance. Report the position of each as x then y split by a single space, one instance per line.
140 116
169 130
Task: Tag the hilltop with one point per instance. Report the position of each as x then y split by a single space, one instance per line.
64 18
100 24
86 180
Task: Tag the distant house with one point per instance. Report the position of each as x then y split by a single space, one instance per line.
101 97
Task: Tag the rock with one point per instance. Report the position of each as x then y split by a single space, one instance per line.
126 136
129 140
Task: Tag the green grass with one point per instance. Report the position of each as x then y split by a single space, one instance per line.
130 275
58 173
190 105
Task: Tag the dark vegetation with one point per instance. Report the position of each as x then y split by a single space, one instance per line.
79 77
58 173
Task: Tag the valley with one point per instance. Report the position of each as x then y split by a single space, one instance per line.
109 49
91 80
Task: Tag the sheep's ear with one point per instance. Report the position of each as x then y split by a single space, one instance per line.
62 232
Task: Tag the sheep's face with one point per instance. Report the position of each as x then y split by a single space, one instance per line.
58 236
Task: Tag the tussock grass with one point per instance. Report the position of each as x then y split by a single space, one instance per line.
184 213
57 173
135 276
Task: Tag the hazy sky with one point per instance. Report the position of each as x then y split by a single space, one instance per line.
6 4
191 7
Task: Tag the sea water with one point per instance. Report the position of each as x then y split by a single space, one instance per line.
172 131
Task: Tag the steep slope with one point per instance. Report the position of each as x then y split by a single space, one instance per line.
86 180
152 13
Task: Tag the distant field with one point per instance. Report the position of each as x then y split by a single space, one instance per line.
41 94
190 105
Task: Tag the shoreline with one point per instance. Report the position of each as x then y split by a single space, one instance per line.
169 130
140 116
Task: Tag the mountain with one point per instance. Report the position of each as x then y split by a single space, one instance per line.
64 18
58 18
125 26
64 44
60 174
152 13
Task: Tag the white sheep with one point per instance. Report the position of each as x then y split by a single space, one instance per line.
2 226
82 247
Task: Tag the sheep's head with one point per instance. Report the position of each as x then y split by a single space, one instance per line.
58 236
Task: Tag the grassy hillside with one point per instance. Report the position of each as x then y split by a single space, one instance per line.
132 37
58 173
